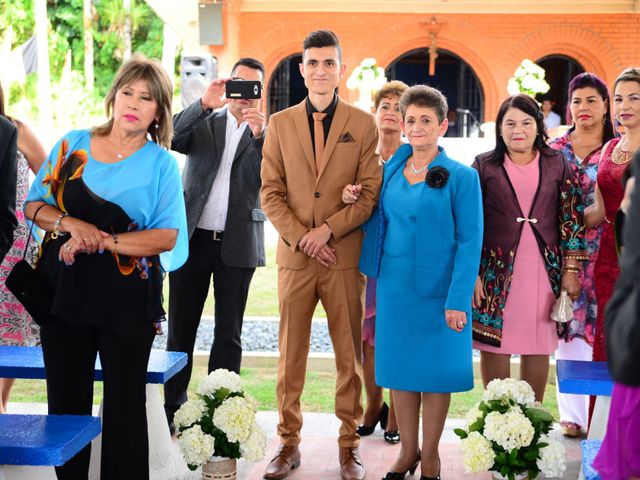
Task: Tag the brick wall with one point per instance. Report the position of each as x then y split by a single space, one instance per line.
493 45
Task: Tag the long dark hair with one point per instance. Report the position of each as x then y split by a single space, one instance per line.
591 80
528 105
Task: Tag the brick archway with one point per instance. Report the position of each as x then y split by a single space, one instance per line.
486 79
593 52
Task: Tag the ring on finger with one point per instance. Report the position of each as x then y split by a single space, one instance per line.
67 247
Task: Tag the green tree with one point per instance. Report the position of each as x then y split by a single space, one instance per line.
18 14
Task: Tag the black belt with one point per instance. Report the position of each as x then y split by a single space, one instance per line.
215 235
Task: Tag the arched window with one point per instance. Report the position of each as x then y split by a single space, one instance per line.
453 77
559 70
286 86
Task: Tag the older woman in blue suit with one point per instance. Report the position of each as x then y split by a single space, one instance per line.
423 244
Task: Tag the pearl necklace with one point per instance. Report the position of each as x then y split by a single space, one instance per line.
418 171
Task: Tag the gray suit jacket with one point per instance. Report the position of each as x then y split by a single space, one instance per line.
201 136
8 180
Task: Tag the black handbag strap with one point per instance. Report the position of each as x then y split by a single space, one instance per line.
33 222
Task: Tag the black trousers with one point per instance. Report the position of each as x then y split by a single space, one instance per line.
188 288
69 358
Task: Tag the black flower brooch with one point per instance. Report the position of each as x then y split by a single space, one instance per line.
437 177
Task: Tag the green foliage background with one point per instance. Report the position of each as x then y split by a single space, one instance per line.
66 32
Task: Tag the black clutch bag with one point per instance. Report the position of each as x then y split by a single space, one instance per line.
29 288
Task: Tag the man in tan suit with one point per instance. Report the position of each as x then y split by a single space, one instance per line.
311 152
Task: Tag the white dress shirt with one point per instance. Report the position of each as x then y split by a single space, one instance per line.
214 214
552 120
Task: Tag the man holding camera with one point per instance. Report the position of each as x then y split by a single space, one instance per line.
221 182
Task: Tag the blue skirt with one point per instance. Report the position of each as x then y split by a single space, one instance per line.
415 349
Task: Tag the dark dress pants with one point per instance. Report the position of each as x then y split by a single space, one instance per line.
188 288
69 358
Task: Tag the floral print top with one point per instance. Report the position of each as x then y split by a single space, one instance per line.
585 307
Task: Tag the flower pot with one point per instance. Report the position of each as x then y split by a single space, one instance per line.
518 476
219 468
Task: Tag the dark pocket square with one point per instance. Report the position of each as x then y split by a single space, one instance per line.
346 138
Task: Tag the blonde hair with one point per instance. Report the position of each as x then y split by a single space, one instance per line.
631 74
160 88
394 87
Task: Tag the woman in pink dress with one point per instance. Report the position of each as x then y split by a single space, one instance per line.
533 243
16 325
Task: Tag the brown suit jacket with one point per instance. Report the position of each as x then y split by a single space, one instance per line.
296 198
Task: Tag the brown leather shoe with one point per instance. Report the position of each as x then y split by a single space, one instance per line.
286 459
351 466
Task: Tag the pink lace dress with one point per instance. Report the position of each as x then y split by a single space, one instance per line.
16 326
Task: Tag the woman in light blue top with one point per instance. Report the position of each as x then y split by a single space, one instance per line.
111 202
423 244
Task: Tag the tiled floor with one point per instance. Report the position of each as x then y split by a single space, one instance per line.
320 453
319 460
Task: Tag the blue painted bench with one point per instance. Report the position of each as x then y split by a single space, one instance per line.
27 362
585 378
44 440
589 449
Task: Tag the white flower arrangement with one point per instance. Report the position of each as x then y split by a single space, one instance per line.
220 422
477 454
196 446
367 76
234 417
510 388
528 78
507 432
551 462
511 430
220 379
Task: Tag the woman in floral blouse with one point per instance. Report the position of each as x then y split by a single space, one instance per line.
533 245
589 113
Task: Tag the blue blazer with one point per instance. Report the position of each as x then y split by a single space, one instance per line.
449 230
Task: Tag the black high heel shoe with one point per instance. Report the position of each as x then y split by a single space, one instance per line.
437 477
391 475
392 437
383 416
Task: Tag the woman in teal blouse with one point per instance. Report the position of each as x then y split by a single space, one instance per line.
111 202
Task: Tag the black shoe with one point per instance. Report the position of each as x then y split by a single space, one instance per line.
383 416
172 428
437 477
392 437
400 476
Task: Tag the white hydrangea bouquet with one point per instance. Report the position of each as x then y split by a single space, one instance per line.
528 78
507 433
219 422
